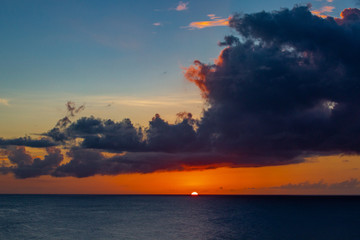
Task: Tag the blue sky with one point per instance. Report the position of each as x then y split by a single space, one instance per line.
97 52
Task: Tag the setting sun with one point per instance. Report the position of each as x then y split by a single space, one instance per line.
194 194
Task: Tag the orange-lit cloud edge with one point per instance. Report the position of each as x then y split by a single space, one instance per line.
214 22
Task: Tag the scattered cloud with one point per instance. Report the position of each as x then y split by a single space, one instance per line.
214 22
182 6
4 101
71 111
157 24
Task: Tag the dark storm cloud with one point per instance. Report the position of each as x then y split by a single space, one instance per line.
24 166
90 162
289 89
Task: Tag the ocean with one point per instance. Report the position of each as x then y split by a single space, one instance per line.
179 217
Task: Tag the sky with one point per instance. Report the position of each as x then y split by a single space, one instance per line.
171 97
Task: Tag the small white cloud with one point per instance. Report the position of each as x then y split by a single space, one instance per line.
157 24
4 101
182 6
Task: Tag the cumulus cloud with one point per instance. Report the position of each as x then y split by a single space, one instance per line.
28 141
90 162
287 90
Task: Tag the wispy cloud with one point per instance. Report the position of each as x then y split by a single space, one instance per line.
182 6
214 22
320 12
4 101
157 24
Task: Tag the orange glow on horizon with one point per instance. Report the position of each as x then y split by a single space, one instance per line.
194 194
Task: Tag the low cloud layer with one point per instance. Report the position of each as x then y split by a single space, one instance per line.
351 184
24 166
284 88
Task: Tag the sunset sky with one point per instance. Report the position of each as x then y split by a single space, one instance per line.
171 97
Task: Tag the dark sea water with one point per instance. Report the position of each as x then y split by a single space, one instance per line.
178 217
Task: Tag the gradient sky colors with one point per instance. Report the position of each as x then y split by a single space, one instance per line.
125 60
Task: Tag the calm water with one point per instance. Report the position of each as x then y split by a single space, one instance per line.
178 217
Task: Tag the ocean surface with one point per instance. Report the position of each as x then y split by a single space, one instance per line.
178 217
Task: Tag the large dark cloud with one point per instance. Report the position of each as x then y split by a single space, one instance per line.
287 87
89 162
